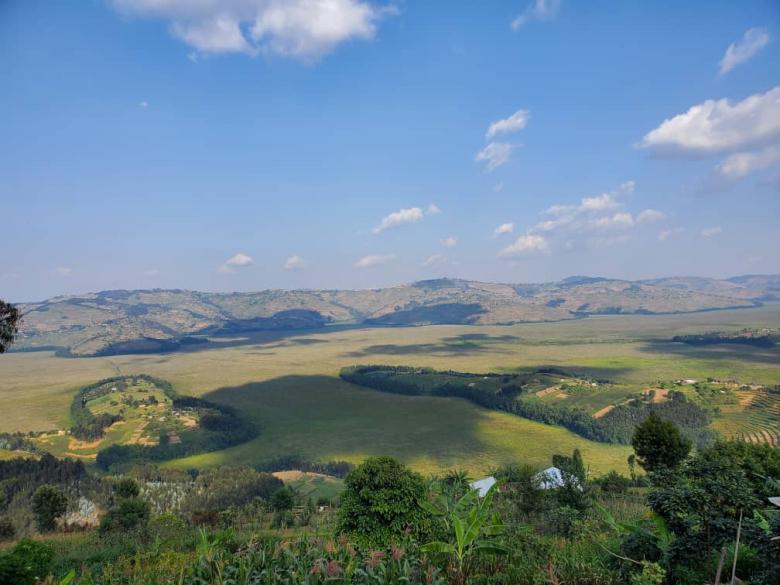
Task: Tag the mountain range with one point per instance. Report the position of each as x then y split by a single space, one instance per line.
141 321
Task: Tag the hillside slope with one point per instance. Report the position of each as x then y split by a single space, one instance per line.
142 321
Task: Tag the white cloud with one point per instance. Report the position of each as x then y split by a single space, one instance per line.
618 220
650 216
237 261
450 242
741 164
495 154
63 271
513 123
599 203
718 126
402 216
744 49
304 29
711 232
666 234
294 263
504 228
528 243
537 10
374 260
435 259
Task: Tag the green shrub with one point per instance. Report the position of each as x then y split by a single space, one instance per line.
130 514
381 503
48 503
26 564
7 529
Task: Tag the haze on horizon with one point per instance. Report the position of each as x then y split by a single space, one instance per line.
253 144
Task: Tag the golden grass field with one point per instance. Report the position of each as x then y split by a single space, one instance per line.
289 384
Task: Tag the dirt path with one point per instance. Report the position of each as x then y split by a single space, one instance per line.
603 411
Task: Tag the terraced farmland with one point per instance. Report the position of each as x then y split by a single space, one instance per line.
755 419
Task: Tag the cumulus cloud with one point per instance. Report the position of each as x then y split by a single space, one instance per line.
504 228
495 154
620 219
294 263
403 216
718 126
304 29
373 260
741 164
537 10
650 216
526 244
63 271
237 261
711 232
513 123
744 49
450 242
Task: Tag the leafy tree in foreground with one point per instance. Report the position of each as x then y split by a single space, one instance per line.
381 503
10 317
48 503
659 444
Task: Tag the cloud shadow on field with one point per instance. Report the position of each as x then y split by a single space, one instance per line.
324 418
715 352
452 349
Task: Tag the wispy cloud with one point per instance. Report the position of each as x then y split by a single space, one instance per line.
504 228
294 263
537 10
712 231
404 216
434 259
513 123
667 234
63 271
742 164
303 29
237 261
744 49
495 154
450 242
151 272
374 260
650 216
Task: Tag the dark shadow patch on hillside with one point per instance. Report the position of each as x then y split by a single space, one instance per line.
481 337
723 351
445 348
352 419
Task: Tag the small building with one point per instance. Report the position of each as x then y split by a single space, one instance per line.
483 485
550 478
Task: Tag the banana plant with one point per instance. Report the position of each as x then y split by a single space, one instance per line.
474 528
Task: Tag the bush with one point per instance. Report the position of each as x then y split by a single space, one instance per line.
613 483
282 500
7 529
130 514
381 503
127 488
26 564
48 503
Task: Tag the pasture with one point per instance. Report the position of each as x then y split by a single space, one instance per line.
289 384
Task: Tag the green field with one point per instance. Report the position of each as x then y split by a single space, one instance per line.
289 384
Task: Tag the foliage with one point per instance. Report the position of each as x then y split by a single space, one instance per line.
382 503
26 563
219 488
282 499
220 426
127 488
659 444
613 483
49 502
129 514
474 529
7 529
297 462
10 318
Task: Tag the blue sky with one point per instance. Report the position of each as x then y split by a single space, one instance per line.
336 143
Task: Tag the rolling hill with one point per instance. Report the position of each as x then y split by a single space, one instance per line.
150 321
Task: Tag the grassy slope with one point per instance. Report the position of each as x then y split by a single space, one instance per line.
340 421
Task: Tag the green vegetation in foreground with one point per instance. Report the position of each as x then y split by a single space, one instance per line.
323 418
674 526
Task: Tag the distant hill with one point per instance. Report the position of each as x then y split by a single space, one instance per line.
148 321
